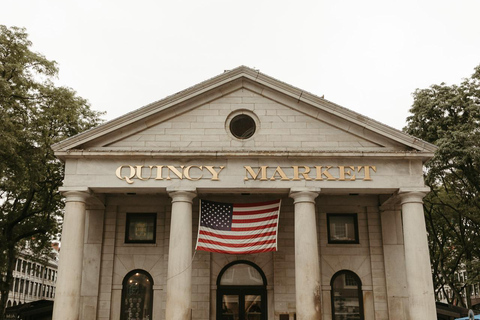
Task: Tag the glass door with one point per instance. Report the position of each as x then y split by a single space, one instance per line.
230 307
253 307
241 292
241 305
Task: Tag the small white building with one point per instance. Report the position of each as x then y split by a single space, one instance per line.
351 238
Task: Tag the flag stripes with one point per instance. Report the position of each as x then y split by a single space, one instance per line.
238 228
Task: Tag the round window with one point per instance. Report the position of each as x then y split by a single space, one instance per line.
242 126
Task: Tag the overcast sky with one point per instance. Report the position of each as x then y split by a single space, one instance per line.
368 56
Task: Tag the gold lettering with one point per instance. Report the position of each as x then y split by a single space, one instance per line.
305 173
367 171
325 173
139 173
281 173
159 173
118 173
263 170
186 172
177 172
213 172
347 172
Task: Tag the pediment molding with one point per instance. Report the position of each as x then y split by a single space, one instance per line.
226 83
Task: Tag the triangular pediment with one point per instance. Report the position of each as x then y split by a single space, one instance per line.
278 127
287 119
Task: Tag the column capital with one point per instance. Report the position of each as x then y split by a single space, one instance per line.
76 195
182 194
304 194
414 195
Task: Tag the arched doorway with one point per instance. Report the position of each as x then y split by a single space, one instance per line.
347 297
137 295
241 292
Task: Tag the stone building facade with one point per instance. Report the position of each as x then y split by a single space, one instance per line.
351 235
33 279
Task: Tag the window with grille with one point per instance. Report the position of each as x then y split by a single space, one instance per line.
342 228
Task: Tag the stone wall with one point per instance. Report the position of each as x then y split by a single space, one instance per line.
280 127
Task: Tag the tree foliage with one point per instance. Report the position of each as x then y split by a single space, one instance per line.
34 113
449 117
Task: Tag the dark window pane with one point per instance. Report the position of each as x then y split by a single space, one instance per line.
242 126
230 307
342 228
253 307
346 297
137 297
141 227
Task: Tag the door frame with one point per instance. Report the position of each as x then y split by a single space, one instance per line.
242 291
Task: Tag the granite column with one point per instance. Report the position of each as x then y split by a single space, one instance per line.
179 275
68 286
417 258
307 266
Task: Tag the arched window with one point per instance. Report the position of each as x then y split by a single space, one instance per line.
347 299
241 292
9 303
137 296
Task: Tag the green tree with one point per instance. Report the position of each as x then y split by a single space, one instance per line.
34 113
453 246
449 117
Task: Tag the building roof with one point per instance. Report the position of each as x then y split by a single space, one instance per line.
101 138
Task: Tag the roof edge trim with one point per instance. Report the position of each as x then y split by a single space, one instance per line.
253 75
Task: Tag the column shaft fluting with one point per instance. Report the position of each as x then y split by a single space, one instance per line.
307 267
179 276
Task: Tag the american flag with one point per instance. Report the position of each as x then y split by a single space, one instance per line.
238 228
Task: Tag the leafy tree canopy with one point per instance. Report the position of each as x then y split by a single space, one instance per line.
449 117
34 113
